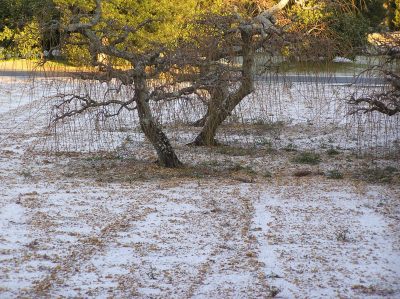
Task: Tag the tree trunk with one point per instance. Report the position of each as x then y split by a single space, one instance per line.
152 130
200 122
207 134
223 103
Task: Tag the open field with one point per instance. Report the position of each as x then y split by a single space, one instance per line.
302 201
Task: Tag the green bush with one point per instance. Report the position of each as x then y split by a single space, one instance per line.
334 174
351 31
25 42
307 158
332 152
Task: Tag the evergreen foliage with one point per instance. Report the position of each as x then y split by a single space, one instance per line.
25 29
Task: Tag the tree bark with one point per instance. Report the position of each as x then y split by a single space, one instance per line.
222 103
152 130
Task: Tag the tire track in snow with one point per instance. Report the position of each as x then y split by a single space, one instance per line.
86 249
233 269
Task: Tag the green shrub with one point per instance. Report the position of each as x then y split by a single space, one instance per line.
377 174
290 148
332 152
334 174
307 158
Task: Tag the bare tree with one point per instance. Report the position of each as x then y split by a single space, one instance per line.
241 37
139 68
192 70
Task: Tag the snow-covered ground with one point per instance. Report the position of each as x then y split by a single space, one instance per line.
231 224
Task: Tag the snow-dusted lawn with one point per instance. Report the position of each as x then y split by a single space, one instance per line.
78 225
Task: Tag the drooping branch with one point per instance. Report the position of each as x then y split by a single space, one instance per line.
83 103
387 102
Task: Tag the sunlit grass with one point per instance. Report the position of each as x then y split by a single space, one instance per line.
38 65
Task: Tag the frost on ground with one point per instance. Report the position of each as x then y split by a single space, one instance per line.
238 221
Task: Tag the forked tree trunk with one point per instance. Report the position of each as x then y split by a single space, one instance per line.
152 130
223 103
217 114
